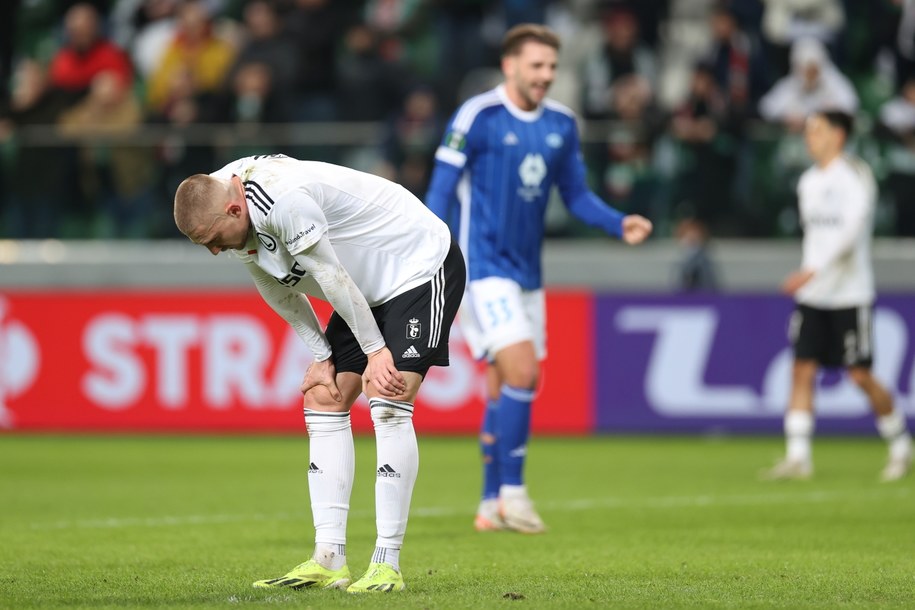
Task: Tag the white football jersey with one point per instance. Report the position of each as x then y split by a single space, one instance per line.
385 238
837 213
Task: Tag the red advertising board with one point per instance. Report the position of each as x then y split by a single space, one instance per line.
223 361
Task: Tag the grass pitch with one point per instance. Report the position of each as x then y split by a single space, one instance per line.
190 522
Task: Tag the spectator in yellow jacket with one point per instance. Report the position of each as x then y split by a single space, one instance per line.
195 48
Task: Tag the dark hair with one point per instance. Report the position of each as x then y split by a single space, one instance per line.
515 38
724 7
838 119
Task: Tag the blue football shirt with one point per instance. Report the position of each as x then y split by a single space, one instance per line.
499 163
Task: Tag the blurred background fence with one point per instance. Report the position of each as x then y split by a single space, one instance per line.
120 185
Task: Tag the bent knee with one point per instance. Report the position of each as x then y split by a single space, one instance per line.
523 376
413 380
320 399
860 376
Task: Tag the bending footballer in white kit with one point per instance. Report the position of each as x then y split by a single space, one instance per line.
395 280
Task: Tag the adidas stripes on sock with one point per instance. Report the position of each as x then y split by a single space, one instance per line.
489 449
398 462
514 427
388 556
330 473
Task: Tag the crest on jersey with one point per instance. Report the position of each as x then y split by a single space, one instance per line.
532 170
554 140
455 140
268 241
414 329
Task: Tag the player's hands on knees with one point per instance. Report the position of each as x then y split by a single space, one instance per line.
381 374
322 373
636 229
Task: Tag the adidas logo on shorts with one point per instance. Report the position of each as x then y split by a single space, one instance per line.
410 353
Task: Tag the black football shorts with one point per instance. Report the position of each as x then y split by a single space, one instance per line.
415 325
833 337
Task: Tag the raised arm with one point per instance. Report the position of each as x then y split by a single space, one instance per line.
590 208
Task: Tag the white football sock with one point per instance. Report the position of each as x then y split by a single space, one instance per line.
507 492
331 470
798 433
398 462
331 556
893 429
388 556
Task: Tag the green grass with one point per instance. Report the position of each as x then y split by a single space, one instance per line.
190 522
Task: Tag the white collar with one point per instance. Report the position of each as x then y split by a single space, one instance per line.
528 116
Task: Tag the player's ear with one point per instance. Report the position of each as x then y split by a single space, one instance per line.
234 209
236 199
507 64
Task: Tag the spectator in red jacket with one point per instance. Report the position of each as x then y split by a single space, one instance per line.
86 53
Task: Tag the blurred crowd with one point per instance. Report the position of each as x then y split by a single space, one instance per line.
691 110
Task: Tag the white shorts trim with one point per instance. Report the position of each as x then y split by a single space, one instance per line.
496 313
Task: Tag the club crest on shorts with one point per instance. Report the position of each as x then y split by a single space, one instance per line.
414 329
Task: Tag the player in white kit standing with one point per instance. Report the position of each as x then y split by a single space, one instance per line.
832 325
395 280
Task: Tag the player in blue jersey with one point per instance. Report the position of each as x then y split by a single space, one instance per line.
501 155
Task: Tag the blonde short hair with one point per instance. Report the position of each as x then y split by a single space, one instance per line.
196 200
515 38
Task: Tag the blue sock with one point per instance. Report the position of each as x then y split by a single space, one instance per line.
514 427
489 448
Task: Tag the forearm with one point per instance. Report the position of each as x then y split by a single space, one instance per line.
589 208
581 201
343 294
295 308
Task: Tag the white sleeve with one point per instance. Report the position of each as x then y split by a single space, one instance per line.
293 307
297 220
855 206
321 262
